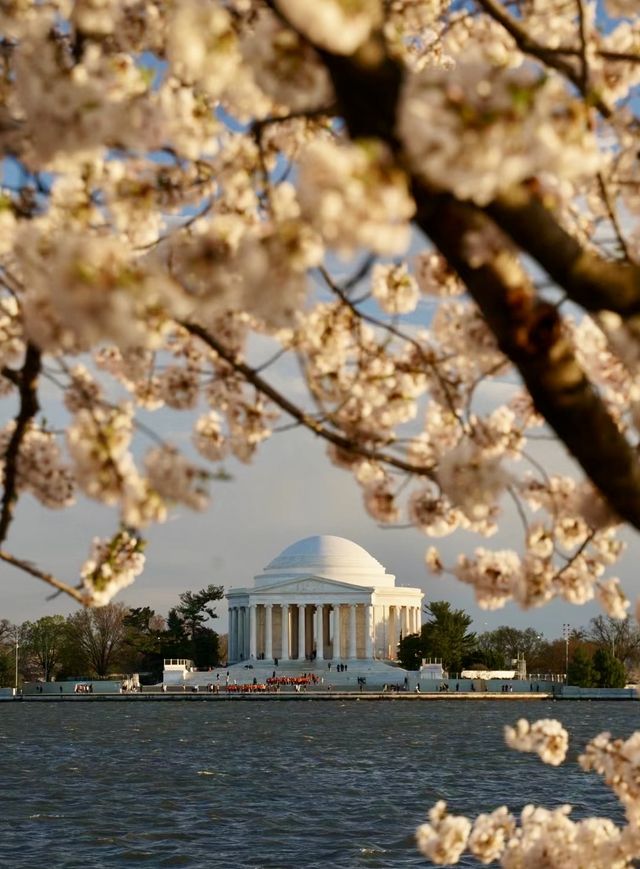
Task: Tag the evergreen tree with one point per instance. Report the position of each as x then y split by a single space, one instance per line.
581 671
187 634
410 651
194 609
444 636
609 672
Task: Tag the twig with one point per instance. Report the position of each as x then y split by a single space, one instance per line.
530 46
297 413
30 568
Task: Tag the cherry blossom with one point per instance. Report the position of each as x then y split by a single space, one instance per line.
429 210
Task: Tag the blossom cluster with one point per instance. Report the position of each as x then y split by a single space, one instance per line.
112 565
221 190
546 737
546 837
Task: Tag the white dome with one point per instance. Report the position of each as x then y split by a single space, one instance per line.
327 556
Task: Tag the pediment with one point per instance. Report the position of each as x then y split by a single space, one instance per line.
310 585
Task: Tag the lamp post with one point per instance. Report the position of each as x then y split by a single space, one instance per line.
566 632
17 648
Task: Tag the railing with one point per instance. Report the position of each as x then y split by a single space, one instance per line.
177 662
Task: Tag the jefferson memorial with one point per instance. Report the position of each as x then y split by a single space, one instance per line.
322 598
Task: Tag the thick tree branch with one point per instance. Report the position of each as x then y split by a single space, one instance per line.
594 283
530 333
367 88
304 419
27 380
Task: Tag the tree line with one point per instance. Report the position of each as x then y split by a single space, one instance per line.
605 653
113 639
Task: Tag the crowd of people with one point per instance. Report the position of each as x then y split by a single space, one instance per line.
83 689
248 688
304 680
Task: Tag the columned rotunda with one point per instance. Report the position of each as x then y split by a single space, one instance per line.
323 598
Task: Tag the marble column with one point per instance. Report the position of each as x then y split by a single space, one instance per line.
285 632
394 633
353 649
381 636
268 632
236 633
252 632
241 634
319 632
301 631
337 651
230 635
368 649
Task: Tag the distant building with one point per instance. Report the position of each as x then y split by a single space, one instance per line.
323 598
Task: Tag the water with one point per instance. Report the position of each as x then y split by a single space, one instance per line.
269 784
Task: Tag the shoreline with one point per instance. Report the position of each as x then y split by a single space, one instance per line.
317 696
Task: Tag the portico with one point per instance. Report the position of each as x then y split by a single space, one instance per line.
324 598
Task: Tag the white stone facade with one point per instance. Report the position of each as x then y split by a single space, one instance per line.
323 598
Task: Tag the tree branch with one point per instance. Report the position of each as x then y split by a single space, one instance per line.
594 283
530 333
30 568
304 419
551 58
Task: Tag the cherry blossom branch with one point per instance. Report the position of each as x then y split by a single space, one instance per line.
398 333
589 280
27 380
530 333
261 124
532 47
572 558
30 568
584 60
305 419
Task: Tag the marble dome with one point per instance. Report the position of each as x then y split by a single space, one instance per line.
326 556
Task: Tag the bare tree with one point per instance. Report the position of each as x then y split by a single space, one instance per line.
99 634
621 637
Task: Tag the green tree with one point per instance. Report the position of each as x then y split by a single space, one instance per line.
609 672
44 640
581 671
505 644
187 626
445 635
142 642
206 648
485 659
194 609
7 652
410 651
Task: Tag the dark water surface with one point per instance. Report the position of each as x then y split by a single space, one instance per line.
270 784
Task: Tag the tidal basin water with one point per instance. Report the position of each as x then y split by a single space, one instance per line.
264 784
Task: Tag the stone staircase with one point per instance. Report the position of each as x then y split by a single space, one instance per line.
376 673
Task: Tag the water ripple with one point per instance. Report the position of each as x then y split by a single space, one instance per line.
291 786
